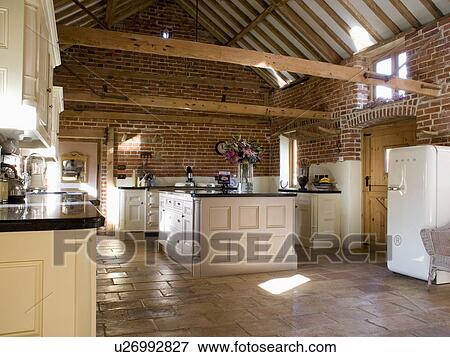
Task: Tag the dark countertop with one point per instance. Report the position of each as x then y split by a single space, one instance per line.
232 193
48 212
297 190
172 187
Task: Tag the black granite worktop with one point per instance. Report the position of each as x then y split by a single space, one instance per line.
47 212
297 190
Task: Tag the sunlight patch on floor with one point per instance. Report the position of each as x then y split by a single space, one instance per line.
279 286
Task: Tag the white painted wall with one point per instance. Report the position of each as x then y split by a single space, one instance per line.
348 177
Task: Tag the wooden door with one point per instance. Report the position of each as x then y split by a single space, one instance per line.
377 141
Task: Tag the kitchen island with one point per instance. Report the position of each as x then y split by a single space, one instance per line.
47 266
222 233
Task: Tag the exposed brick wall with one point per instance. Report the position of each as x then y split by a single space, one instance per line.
151 21
429 60
335 96
183 143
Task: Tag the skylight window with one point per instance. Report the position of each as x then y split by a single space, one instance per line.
360 37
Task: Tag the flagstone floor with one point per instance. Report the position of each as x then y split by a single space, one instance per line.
142 293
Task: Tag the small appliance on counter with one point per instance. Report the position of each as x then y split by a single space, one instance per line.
35 173
10 168
16 191
189 174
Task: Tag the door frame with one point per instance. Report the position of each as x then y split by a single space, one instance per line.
377 129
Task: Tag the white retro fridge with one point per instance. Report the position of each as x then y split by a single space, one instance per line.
418 197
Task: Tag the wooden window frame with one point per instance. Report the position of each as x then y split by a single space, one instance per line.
394 70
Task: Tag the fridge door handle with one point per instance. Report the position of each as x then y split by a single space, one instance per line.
395 188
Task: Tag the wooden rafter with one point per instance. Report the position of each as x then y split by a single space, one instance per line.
317 55
222 36
404 11
432 8
133 8
267 11
324 27
372 5
140 43
361 19
266 23
110 8
198 105
90 13
310 34
230 29
333 14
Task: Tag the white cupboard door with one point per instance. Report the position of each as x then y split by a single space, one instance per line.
134 210
31 69
11 54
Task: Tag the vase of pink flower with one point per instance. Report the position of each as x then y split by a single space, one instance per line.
245 153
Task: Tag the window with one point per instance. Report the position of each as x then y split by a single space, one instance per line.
292 162
393 65
288 162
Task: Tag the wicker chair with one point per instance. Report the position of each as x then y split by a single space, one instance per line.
437 245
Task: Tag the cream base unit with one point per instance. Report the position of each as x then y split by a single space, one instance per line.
318 214
138 210
228 235
29 51
42 296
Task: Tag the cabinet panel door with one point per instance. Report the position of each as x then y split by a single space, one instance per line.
43 84
11 54
31 54
134 210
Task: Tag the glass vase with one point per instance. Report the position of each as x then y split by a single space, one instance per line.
245 177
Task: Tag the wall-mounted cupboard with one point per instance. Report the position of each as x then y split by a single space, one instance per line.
29 52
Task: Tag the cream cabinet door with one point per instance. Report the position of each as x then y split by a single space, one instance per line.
39 298
133 210
11 54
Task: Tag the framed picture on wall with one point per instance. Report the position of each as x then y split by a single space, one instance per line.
74 168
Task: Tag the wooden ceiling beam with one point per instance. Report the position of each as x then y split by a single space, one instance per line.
310 34
109 73
222 36
198 105
432 8
132 9
267 11
115 40
266 23
230 29
286 25
110 8
325 27
333 14
404 11
372 5
90 14
130 116
361 19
